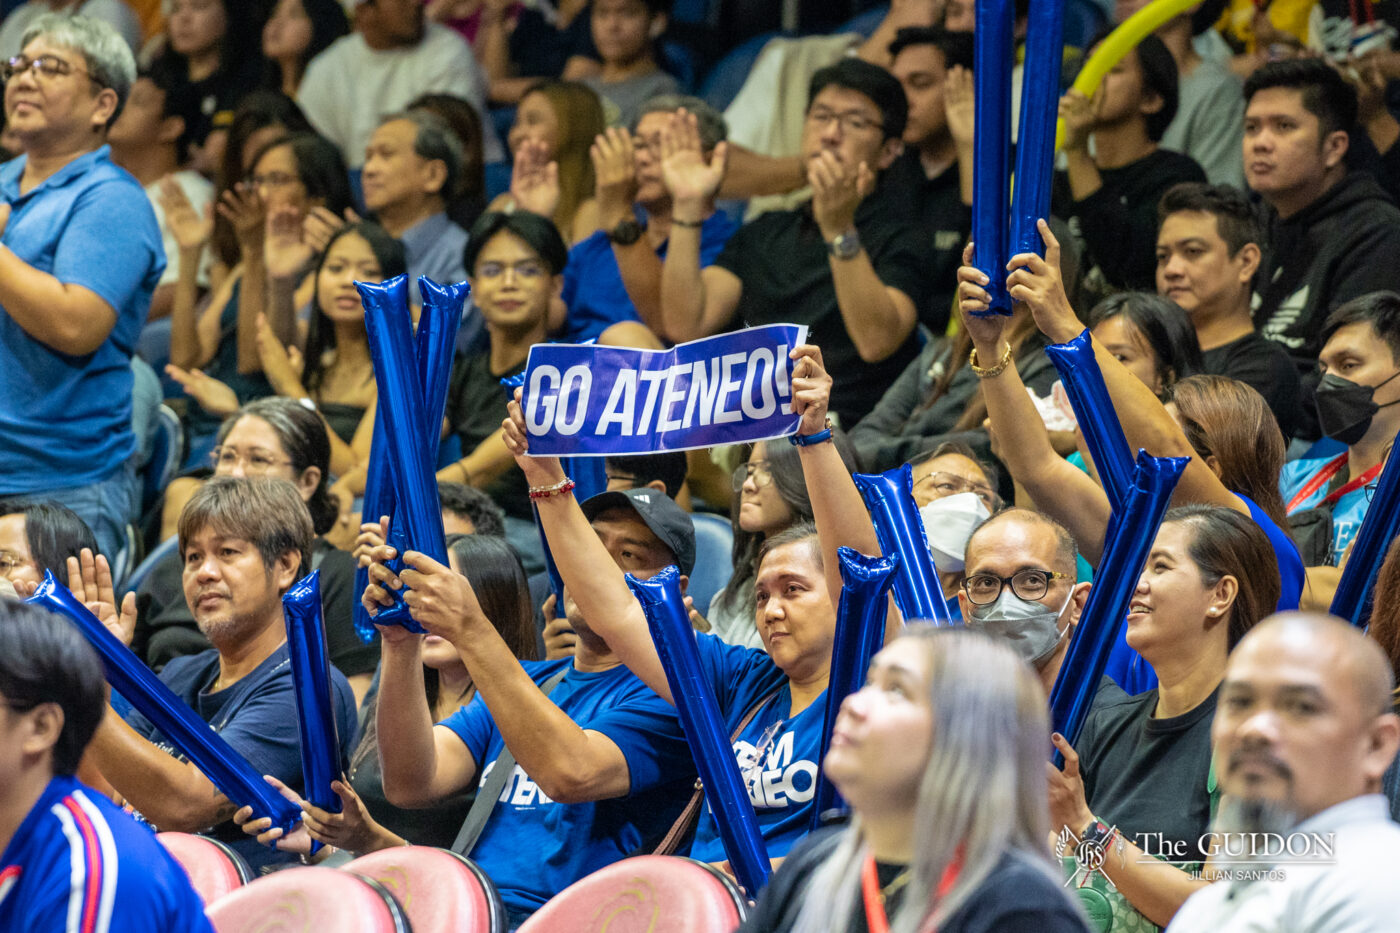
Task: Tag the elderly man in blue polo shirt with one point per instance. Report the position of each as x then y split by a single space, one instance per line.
80 255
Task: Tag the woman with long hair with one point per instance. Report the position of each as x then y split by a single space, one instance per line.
1142 767
770 495
40 537
1150 336
555 125
1230 421
941 757
296 32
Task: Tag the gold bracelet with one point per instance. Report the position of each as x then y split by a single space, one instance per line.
990 372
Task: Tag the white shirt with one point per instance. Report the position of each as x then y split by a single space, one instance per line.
115 12
350 87
1357 894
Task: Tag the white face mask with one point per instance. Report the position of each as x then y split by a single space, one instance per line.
948 524
1031 628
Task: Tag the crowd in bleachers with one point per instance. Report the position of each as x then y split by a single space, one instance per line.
190 191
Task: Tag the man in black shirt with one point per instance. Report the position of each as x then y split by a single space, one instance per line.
846 265
933 178
1208 251
1110 197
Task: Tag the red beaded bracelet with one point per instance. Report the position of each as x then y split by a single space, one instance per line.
558 489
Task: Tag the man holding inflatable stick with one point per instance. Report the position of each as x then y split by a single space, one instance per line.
243 543
797 589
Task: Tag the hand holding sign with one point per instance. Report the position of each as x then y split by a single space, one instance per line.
539 471
811 388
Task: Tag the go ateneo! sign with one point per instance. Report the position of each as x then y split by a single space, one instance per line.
605 401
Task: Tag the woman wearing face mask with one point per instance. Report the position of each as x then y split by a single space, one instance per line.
1141 783
770 496
1236 433
947 734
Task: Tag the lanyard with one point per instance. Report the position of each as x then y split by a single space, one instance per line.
875 917
1319 479
1353 485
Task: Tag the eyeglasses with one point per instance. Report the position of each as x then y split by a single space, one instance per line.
852 121
758 469
984 588
272 180
9 563
526 270
950 484
43 67
253 462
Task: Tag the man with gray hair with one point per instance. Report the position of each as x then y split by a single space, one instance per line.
1303 732
612 283
412 163
73 295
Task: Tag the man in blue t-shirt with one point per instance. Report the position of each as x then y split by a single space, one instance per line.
1356 405
599 766
70 860
612 282
73 295
243 543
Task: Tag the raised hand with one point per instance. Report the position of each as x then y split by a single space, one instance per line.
615 175
321 224
534 180
691 180
837 191
371 536
1037 282
283 365
811 388
1077 112
241 207
212 395
439 598
189 227
973 302
90 580
287 254
539 471
960 100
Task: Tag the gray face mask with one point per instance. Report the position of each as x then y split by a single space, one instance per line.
1032 628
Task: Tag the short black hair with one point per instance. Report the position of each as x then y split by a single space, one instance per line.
962 449
475 506
44 659
957 47
1163 324
53 532
539 233
1235 216
177 100
1160 77
1326 94
1379 309
670 467
874 82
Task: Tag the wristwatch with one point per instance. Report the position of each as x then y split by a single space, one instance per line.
627 232
845 245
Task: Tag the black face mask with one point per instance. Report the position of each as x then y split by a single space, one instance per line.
1345 408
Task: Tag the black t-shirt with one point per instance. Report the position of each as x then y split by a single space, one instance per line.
539 49
1118 223
476 406
782 261
1267 368
1017 897
1145 775
437 825
935 207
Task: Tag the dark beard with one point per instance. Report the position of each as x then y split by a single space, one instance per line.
1254 815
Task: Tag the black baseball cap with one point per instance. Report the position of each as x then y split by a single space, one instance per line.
659 512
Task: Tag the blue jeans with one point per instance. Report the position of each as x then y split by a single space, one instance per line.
104 505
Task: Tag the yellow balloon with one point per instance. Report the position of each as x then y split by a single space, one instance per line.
1118 44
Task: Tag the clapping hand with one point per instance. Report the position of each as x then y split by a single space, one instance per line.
211 394
691 179
534 180
90 579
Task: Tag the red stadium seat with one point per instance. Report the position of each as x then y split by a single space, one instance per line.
440 891
646 894
213 867
316 898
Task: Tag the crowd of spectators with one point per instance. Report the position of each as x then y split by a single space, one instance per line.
190 190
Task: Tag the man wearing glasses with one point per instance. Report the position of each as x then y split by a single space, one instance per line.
80 255
1019 585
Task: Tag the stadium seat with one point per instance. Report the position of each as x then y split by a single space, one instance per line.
213 867
309 899
134 580
166 454
714 558
637 895
439 890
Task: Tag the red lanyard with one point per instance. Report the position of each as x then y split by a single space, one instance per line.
875 917
1319 479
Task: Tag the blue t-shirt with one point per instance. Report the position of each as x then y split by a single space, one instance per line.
532 847
1290 562
1347 512
257 716
78 863
783 779
66 420
593 289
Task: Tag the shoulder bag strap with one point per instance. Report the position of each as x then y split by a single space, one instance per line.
691 812
487 793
